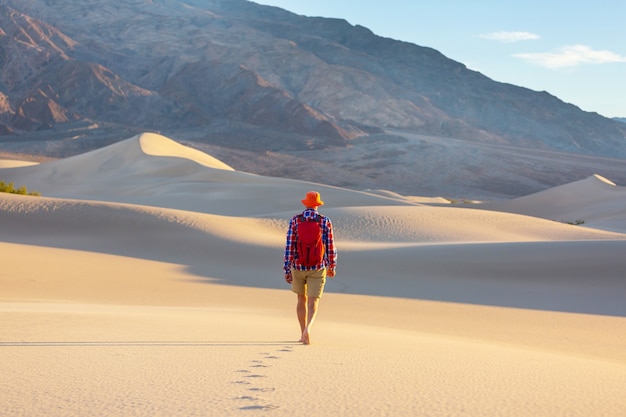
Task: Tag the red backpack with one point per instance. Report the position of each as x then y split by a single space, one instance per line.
309 244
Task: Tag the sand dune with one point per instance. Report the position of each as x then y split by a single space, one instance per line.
9 163
147 281
596 201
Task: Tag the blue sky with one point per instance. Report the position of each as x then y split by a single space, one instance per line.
575 50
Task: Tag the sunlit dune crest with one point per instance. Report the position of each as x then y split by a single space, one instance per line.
9 163
157 145
596 201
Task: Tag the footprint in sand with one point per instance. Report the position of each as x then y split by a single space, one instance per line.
247 398
258 363
255 376
255 407
260 407
241 382
262 389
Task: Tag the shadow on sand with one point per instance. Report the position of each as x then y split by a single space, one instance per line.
159 343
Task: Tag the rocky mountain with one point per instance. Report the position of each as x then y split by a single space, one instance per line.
252 78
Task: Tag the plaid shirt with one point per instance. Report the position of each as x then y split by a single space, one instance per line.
291 256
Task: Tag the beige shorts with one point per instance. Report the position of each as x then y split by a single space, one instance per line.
310 283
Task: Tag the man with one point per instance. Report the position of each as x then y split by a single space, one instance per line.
307 278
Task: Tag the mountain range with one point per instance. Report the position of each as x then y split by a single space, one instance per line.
275 93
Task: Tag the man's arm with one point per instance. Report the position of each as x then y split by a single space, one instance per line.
331 250
290 248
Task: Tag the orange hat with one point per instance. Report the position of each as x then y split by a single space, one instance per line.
312 199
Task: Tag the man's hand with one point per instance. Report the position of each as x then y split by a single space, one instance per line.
288 277
330 273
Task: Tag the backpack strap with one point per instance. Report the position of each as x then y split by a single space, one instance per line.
317 218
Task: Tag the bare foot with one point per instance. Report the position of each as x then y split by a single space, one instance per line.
306 337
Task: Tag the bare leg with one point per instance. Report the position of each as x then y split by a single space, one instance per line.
301 309
312 304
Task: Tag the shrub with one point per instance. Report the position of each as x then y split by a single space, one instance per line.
574 223
10 188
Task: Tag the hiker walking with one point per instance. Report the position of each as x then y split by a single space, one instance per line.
310 256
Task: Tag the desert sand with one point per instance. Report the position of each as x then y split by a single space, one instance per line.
147 281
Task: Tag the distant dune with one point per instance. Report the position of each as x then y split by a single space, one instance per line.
595 201
8 163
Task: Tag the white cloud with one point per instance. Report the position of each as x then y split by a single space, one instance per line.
571 56
510 37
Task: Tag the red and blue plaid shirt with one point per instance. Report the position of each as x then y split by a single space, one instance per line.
291 255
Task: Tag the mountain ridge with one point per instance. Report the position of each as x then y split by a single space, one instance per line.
254 78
